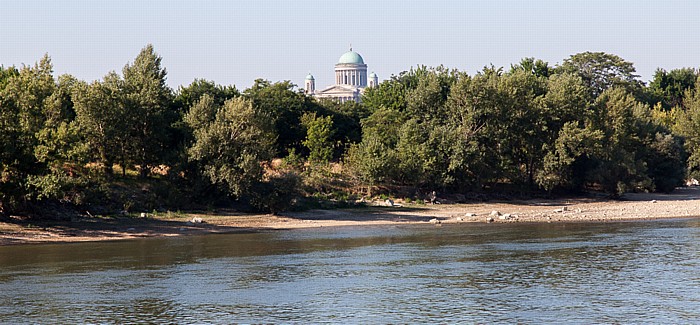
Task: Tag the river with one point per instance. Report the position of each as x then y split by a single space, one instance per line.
625 272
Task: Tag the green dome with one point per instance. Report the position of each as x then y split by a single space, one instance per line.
351 57
309 77
372 75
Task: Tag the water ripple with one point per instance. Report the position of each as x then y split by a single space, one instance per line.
632 272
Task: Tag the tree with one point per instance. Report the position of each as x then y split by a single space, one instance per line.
566 142
284 106
536 67
27 94
6 74
188 96
689 127
231 147
666 162
372 160
668 88
524 121
277 193
24 101
346 118
59 147
104 121
426 100
413 154
384 125
474 109
390 94
318 137
619 167
369 161
566 100
600 71
148 98
573 146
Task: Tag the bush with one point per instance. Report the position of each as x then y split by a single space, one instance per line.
666 162
278 193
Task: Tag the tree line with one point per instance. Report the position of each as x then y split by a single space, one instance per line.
129 142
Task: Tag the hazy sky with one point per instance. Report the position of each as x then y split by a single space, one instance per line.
235 42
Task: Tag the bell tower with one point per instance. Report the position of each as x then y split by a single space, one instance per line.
310 84
373 80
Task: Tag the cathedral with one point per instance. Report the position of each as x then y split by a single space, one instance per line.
351 80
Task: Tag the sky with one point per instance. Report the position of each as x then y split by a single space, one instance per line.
236 42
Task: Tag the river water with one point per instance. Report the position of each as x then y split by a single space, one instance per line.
627 272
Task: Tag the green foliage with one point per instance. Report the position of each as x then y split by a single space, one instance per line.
28 109
188 96
600 71
57 185
413 154
666 162
390 95
318 137
566 100
148 103
666 118
230 148
202 113
668 87
572 145
284 107
471 102
536 67
588 124
426 100
278 193
369 162
103 120
293 161
384 124
688 126
618 169
6 74
346 122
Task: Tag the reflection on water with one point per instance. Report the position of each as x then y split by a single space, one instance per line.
633 272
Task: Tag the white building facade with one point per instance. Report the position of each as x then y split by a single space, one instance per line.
351 80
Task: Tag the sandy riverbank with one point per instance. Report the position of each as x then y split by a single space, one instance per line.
683 203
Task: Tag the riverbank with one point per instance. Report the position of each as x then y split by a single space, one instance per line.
682 203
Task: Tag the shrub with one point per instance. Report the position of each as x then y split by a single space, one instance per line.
278 193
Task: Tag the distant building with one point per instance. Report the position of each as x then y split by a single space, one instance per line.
350 80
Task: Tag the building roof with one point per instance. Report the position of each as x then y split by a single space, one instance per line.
351 57
309 77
